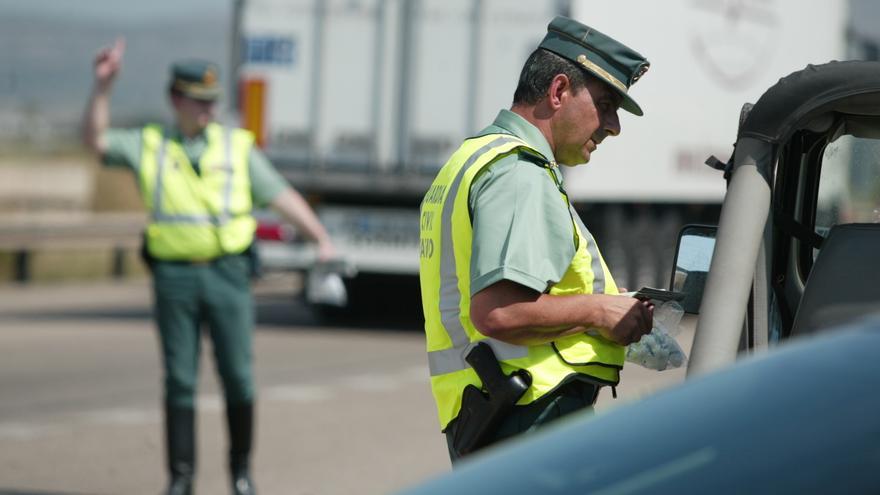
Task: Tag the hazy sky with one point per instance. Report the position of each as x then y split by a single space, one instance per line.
49 45
867 11
113 10
33 67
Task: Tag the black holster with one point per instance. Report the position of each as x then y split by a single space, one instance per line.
482 410
144 252
252 254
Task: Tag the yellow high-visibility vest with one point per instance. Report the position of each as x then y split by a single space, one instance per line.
444 269
197 216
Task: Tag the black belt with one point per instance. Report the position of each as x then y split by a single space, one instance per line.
198 262
574 387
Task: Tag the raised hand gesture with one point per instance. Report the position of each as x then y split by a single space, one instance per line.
108 62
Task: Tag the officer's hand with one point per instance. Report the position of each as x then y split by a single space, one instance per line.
625 319
108 62
327 251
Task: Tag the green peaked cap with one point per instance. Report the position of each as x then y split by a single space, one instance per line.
600 55
197 79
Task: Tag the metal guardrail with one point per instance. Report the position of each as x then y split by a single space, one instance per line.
70 230
22 234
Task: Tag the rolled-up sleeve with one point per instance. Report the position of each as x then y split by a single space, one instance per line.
522 228
123 148
266 182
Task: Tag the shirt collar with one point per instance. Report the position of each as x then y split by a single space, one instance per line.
523 129
179 137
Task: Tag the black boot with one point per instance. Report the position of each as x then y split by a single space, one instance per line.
241 429
180 442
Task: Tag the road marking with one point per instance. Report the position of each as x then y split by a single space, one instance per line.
213 403
25 431
296 393
122 416
209 403
372 382
417 374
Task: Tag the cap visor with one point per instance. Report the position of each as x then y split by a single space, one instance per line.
201 95
631 106
627 103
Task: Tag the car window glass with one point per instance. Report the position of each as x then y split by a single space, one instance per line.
849 183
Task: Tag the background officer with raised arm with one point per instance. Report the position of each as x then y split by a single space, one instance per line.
507 266
199 181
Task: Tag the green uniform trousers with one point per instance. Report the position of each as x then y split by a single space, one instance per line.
218 294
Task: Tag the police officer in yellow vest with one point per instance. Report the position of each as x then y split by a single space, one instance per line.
199 182
506 261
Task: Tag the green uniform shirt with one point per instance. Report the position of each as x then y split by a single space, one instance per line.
522 228
124 150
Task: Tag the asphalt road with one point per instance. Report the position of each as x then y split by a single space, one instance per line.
343 407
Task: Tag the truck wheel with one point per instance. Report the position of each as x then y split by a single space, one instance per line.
379 299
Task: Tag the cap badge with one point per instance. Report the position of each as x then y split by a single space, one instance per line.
640 72
209 78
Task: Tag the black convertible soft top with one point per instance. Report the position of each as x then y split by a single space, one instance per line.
850 87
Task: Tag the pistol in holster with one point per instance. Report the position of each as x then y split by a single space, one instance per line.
482 410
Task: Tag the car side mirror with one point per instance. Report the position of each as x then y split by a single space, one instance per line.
693 254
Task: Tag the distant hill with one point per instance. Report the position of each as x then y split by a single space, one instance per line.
45 65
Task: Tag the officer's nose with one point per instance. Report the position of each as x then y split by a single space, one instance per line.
612 124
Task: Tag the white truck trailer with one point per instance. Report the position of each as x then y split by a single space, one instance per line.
707 58
359 102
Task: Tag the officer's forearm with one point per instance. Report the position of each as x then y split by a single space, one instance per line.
536 335
515 314
96 119
294 208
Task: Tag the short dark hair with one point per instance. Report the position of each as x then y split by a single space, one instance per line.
538 72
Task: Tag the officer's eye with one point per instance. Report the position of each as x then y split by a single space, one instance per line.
609 105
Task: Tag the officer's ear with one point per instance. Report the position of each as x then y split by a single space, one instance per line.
559 85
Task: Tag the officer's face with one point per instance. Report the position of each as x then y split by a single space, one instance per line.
193 114
586 117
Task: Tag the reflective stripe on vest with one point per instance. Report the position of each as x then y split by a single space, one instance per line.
197 216
445 284
449 360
